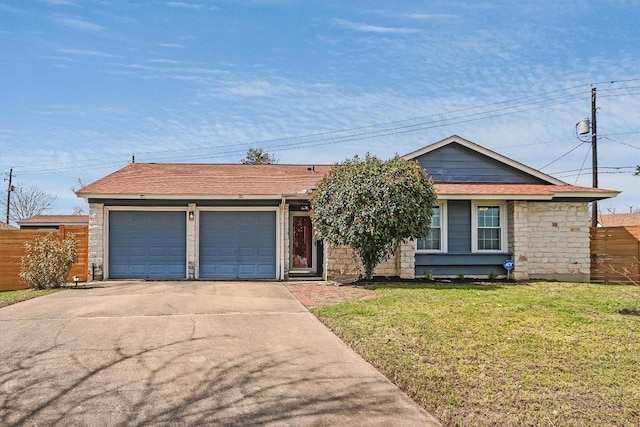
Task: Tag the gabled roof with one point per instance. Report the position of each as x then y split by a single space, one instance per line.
237 181
206 181
455 139
619 220
44 220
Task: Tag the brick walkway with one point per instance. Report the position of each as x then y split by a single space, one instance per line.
313 294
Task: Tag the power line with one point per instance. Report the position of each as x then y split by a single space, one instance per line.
366 135
332 137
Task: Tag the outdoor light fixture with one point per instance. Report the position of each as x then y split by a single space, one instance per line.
76 279
191 215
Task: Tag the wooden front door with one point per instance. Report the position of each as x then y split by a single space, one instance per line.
303 257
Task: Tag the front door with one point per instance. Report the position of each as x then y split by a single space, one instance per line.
303 248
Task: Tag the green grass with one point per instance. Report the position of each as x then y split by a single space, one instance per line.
12 297
475 355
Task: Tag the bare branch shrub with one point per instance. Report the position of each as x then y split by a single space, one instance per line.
48 261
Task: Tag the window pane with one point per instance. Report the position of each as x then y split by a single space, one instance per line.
435 218
488 228
489 239
431 241
488 216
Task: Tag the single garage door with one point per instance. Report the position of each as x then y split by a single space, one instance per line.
147 245
237 245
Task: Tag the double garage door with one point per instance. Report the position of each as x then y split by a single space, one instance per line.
153 245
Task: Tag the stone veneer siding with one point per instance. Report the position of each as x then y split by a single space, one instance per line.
550 240
341 262
96 240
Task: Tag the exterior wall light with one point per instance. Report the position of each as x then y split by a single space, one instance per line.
192 215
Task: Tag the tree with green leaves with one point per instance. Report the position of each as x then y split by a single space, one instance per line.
258 156
372 206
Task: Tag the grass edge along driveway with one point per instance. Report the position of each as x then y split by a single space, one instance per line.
537 354
13 297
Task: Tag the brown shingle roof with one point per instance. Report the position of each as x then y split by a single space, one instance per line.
542 191
151 179
619 220
207 180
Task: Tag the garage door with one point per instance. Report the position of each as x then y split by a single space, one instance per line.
237 245
147 245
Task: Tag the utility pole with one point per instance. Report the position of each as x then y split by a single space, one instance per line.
594 157
9 194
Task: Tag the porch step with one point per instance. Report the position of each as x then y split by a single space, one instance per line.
305 279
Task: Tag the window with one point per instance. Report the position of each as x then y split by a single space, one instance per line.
435 240
489 227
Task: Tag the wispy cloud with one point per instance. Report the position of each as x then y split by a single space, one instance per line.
87 52
368 28
163 61
183 5
77 23
256 88
59 2
427 16
172 45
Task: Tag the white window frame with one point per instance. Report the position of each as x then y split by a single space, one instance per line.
502 205
443 232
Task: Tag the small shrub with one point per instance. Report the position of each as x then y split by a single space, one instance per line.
429 276
48 261
493 275
460 276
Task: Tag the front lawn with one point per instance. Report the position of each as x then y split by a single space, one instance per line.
12 297
538 354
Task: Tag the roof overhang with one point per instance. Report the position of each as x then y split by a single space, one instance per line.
297 195
557 196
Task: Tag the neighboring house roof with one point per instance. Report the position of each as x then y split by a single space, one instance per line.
5 226
48 220
619 220
153 180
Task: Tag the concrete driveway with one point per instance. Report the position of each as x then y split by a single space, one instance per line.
185 353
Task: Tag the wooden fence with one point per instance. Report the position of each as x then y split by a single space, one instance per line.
12 250
615 254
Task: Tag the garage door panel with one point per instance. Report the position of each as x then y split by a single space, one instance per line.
147 244
238 244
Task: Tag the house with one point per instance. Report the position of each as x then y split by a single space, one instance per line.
5 226
53 222
232 221
619 220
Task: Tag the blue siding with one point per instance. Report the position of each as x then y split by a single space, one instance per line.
454 264
455 163
237 245
459 259
459 226
147 245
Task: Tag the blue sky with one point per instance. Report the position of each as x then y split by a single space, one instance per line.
86 84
